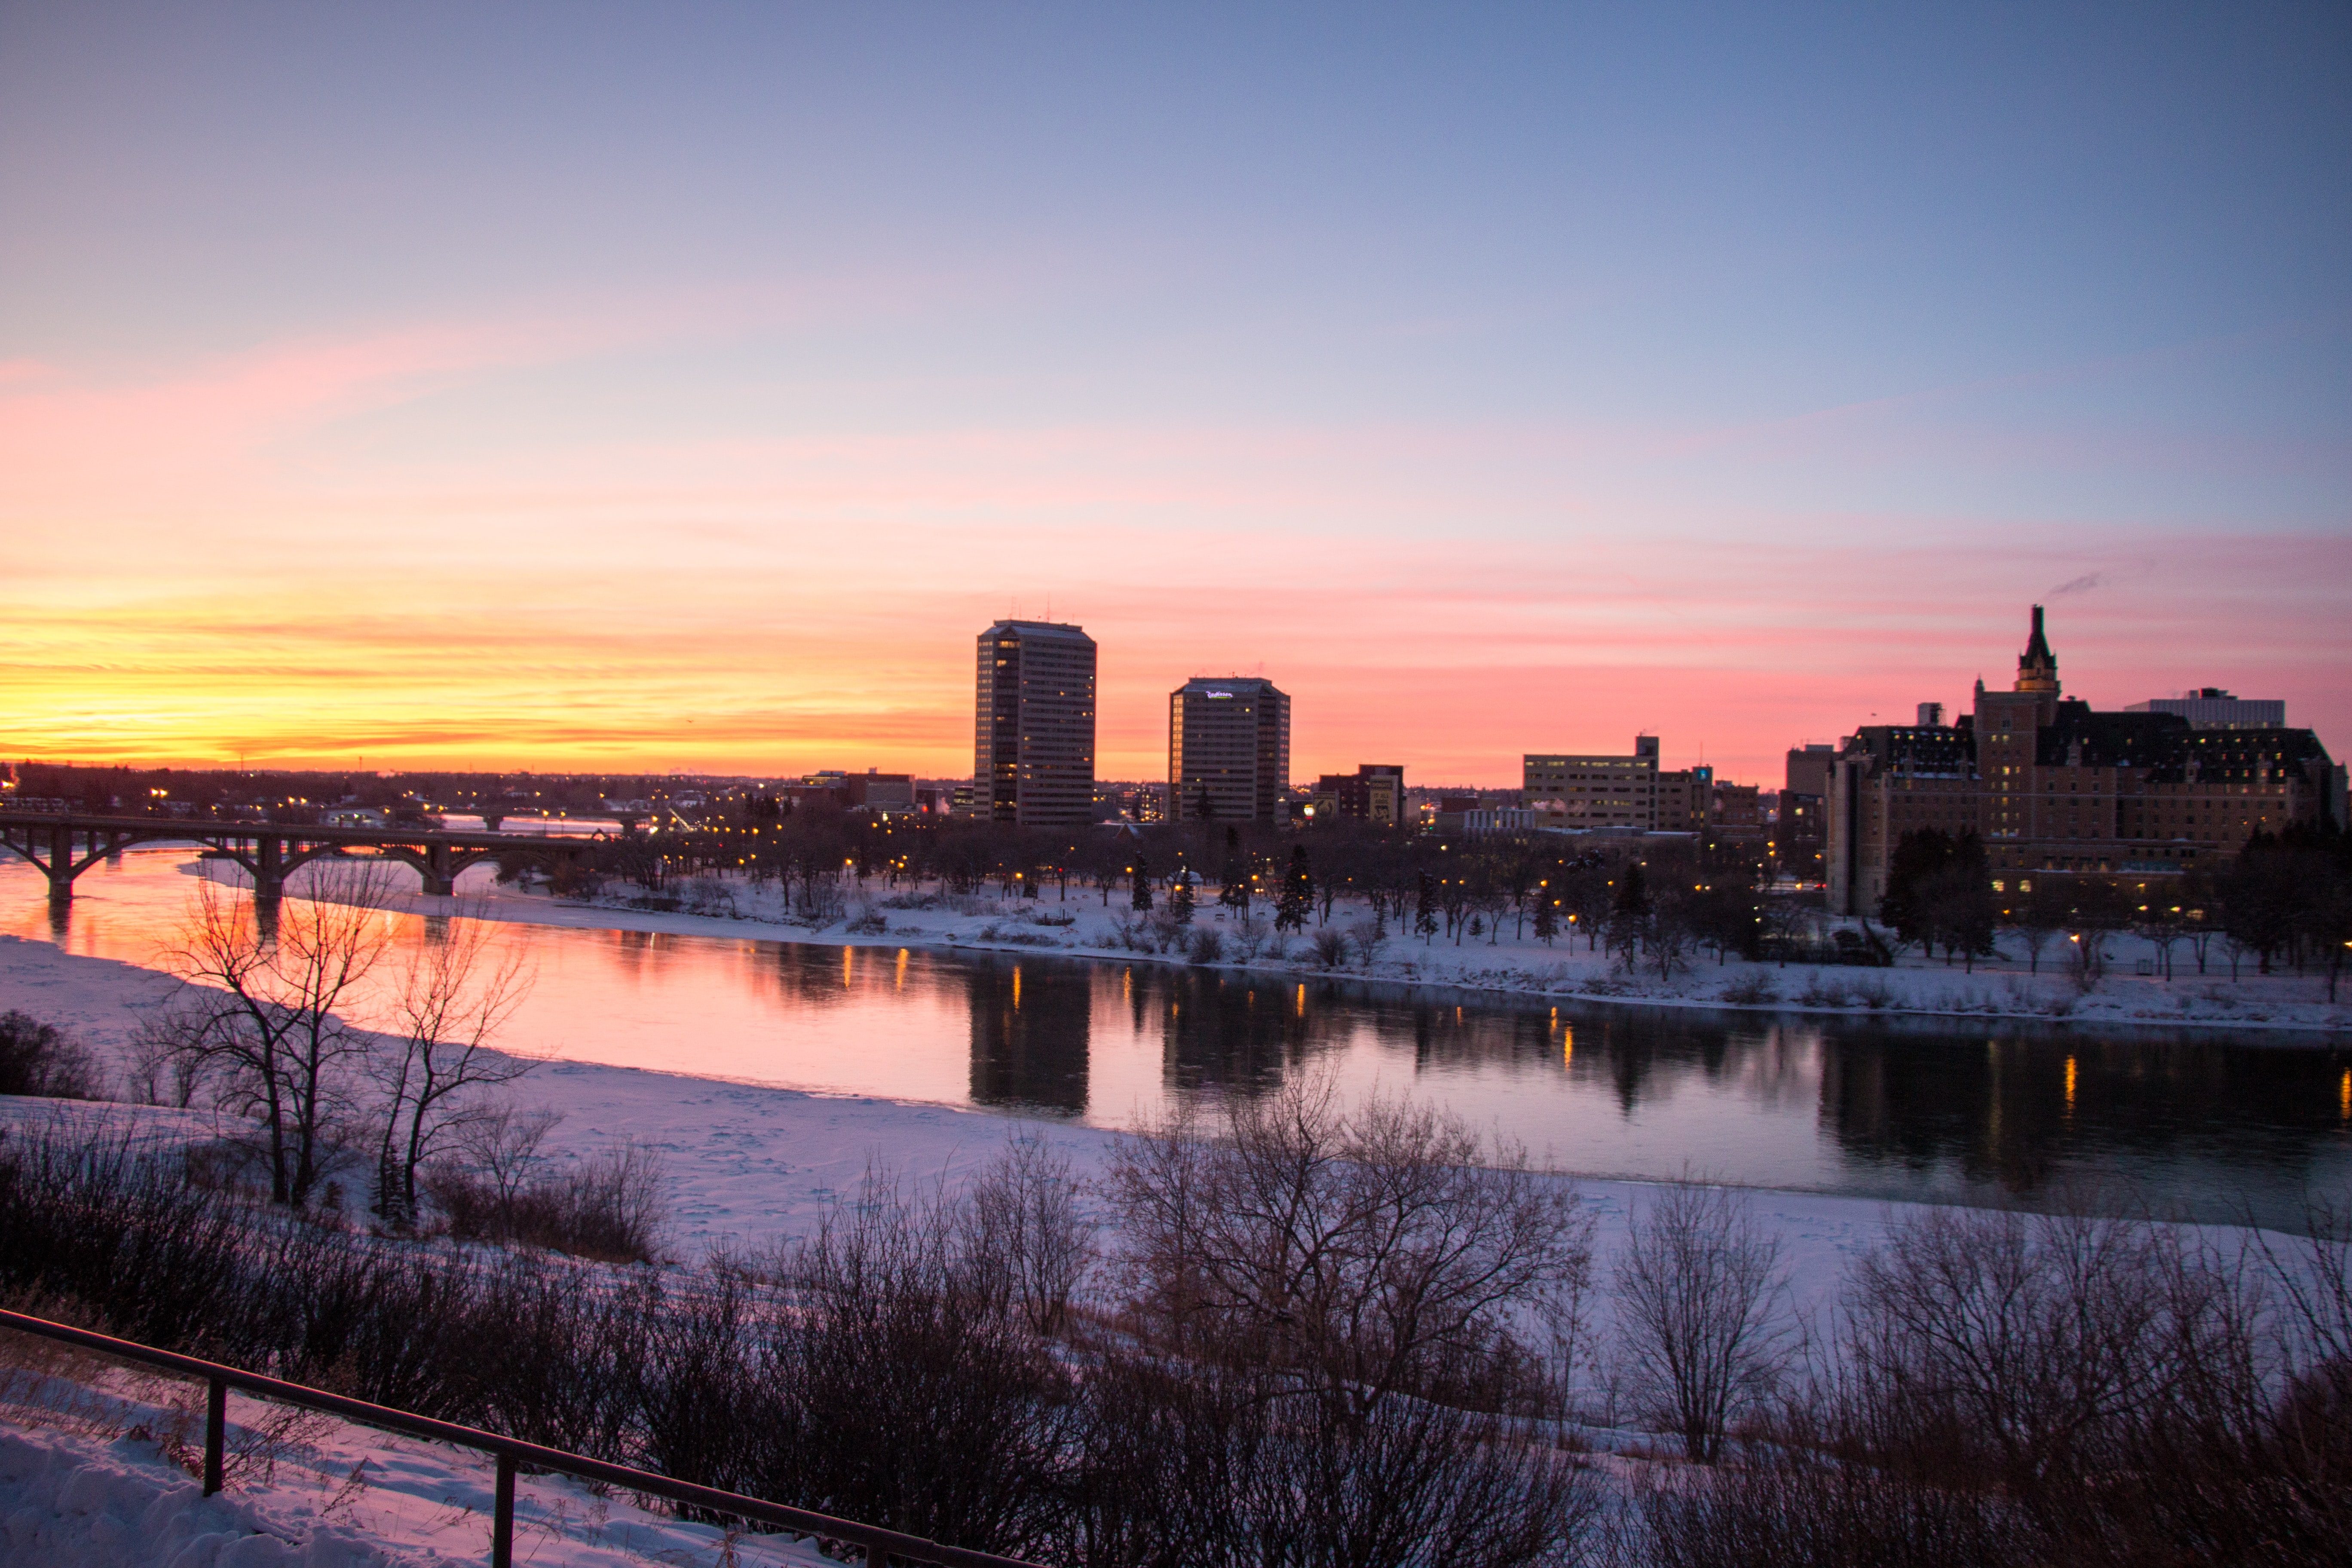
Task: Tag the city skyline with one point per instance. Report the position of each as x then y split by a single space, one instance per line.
612 392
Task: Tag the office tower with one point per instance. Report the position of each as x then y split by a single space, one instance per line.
1228 750
1033 727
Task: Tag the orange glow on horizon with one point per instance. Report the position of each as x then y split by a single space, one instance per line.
278 579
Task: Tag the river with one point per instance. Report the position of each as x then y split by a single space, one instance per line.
2205 1124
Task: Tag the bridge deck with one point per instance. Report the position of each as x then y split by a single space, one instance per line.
307 833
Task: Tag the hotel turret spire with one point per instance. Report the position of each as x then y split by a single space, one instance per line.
2037 667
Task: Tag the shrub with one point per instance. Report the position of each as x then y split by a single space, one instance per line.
608 1206
41 1060
1698 1284
1204 944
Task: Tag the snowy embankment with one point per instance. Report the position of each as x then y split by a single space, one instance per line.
95 1460
92 1459
95 1470
1507 962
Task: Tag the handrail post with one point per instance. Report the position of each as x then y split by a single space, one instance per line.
502 1515
216 1432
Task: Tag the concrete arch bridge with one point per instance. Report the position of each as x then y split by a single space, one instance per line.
66 845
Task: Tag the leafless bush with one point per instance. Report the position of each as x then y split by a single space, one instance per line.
2079 1388
1223 1467
167 1058
2009 1348
897 1390
2125 1383
607 1206
1381 1252
1751 990
1023 1222
1330 947
1698 1286
1824 991
1249 929
1369 937
710 896
1204 944
1873 994
41 1060
1166 929
503 1143
1351 1309
1789 1507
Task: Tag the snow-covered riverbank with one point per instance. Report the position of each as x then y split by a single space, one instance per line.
745 1164
1503 962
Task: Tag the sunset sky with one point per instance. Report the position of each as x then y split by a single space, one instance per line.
685 387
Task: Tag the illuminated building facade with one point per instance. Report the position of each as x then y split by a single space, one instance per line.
2052 786
2210 708
1373 793
1621 792
1033 727
1228 750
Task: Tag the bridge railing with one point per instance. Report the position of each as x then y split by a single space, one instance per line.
881 1546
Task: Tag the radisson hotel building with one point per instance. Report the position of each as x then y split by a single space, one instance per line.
1229 749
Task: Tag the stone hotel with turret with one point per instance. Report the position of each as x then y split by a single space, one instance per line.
2054 787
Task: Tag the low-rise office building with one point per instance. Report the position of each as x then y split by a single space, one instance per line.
1621 792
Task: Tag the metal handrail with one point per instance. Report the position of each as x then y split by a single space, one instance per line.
880 1545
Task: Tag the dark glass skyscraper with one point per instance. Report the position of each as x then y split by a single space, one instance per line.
1228 750
1034 729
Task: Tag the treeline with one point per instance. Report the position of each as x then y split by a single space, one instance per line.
1307 1338
1663 902
2285 901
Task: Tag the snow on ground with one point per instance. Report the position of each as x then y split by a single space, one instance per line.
745 1164
748 1164
1503 960
96 1470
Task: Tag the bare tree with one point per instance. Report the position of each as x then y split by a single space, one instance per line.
280 991
1023 1225
457 989
1668 937
2040 915
1698 1288
1383 1251
1785 920
167 1052
502 1143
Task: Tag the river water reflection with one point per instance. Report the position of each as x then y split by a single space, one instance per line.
2206 1124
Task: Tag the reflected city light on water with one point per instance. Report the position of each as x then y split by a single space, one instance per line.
1870 1106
